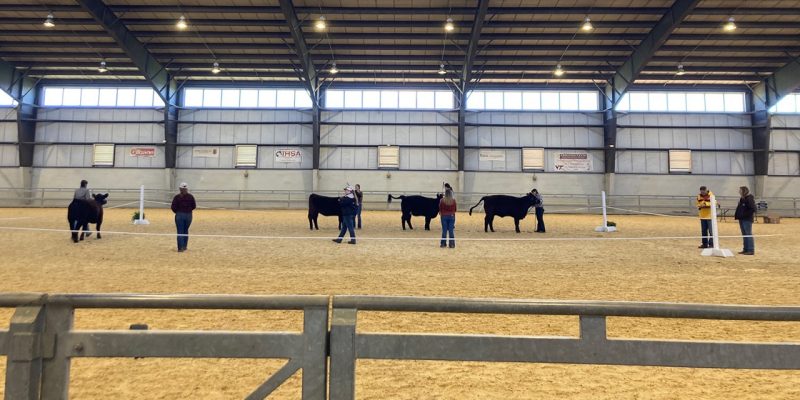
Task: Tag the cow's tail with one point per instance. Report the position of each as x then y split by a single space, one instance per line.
479 203
389 199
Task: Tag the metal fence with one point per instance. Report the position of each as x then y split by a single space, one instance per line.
289 199
41 340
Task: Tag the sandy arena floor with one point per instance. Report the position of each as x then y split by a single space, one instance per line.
640 270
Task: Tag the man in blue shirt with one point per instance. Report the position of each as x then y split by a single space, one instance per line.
347 203
538 204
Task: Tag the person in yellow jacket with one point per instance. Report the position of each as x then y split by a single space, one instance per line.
704 211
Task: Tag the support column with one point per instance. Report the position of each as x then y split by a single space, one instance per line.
462 117
761 123
315 134
609 138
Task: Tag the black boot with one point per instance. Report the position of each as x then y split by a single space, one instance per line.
337 240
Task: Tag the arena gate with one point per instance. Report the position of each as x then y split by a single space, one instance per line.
41 341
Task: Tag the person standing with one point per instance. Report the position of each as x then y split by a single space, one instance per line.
538 205
703 203
347 204
745 212
182 205
360 201
83 193
447 212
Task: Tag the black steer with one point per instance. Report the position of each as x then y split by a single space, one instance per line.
82 212
418 206
504 206
327 206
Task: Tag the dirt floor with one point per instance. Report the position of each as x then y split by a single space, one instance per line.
641 270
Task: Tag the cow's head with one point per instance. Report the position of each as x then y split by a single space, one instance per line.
439 196
101 198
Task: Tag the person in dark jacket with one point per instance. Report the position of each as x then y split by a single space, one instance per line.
538 205
447 215
745 212
84 194
360 200
182 205
348 205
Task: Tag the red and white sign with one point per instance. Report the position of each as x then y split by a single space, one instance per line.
293 155
143 152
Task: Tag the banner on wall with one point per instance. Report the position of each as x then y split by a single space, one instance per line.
205 152
491 155
290 155
573 161
142 152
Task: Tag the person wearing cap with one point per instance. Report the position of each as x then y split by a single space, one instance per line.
538 205
182 205
83 193
360 204
703 203
347 204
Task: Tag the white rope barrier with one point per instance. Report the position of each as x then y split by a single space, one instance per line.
653 214
268 237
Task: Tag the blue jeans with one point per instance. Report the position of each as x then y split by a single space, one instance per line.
348 225
358 214
449 228
540 219
747 229
705 232
182 222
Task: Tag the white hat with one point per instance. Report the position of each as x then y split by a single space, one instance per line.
184 185
348 188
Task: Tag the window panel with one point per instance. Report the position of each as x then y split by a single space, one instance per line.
550 101
680 161
230 98
389 99
588 101
53 96
695 102
425 100
533 159
212 98
639 101
193 98
126 97
371 99
302 99
72 97
107 98
734 102
285 98
715 102
408 99
352 99
624 103
676 101
103 155
512 100
658 101
89 97
248 98
568 101
144 98
475 100
266 98
494 100
334 99
444 100
389 157
246 156
531 101
788 104
6 100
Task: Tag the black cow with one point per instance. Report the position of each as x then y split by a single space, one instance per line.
418 206
83 212
504 206
327 206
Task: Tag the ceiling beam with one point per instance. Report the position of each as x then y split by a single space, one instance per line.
153 71
631 69
16 83
309 72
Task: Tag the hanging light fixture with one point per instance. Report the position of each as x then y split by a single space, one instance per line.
448 25
730 26
215 68
102 68
441 71
587 25
181 24
49 22
321 25
680 70
559 71
333 69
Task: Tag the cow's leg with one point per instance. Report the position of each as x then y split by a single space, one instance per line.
97 228
310 222
491 223
427 223
486 223
516 224
408 219
403 220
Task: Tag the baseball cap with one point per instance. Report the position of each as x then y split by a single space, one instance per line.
184 185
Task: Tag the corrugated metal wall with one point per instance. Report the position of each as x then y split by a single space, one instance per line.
9 155
785 137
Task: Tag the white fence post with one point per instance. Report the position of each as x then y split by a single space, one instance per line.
715 251
605 227
141 220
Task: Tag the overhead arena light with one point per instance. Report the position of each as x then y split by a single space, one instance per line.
448 25
215 68
680 70
49 22
441 71
102 68
333 69
559 71
730 26
321 25
587 25
181 24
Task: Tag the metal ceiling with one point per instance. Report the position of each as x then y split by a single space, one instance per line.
382 42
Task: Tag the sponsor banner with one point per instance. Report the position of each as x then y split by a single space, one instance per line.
573 161
491 155
205 152
289 155
142 152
